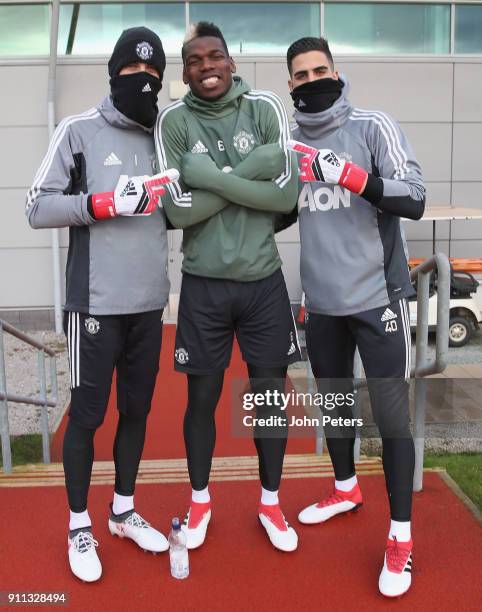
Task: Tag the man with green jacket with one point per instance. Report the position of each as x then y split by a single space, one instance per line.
229 144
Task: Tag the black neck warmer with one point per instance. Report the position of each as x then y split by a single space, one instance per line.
135 96
316 96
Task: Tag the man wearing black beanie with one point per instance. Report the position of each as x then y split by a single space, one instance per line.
136 69
94 180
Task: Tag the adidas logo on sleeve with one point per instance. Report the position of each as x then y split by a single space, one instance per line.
199 147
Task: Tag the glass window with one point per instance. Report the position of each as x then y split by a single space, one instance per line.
385 29
92 29
24 29
468 28
261 27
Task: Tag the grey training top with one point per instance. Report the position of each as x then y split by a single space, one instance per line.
353 255
115 266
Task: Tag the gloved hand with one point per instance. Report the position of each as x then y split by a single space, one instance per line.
198 170
325 166
133 196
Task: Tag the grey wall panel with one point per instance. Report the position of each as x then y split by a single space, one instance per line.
292 234
468 230
21 153
432 144
29 282
465 248
24 95
438 194
402 90
274 77
79 88
290 256
175 259
424 249
247 72
173 72
15 231
467 194
423 230
466 154
468 92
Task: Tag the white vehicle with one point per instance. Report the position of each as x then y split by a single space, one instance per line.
464 314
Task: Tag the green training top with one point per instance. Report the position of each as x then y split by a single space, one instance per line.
236 176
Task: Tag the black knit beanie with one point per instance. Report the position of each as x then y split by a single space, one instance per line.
137 45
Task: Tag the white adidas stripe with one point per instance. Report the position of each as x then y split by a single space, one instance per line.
283 126
399 151
395 150
73 342
69 346
296 331
392 136
178 197
396 162
77 352
49 157
409 339
406 333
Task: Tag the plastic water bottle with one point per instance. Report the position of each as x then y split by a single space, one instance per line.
178 554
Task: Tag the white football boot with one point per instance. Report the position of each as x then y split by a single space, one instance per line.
196 523
396 575
336 503
83 559
281 534
131 525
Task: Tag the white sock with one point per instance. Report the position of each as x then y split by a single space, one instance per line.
346 485
122 503
269 498
400 530
79 519
201 497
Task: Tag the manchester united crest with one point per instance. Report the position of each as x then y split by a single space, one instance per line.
144 50
243 142
92 325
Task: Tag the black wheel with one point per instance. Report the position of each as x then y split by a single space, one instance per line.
460 331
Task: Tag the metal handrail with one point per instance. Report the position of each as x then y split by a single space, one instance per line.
41 400
438 262
423 367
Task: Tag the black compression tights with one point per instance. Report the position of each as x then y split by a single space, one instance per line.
200 426
78 456
389 401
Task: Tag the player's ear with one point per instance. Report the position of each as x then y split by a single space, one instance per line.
290 84
184 76
232 65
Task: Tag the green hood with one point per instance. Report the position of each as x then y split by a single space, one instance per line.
221 107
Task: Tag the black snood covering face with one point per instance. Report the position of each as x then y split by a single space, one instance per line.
316 96
135 96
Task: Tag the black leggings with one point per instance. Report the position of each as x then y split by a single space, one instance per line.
78 457
331 343
200 426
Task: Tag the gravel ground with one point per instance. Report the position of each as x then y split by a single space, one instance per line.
22 379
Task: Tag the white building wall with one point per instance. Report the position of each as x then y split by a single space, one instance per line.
438 103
